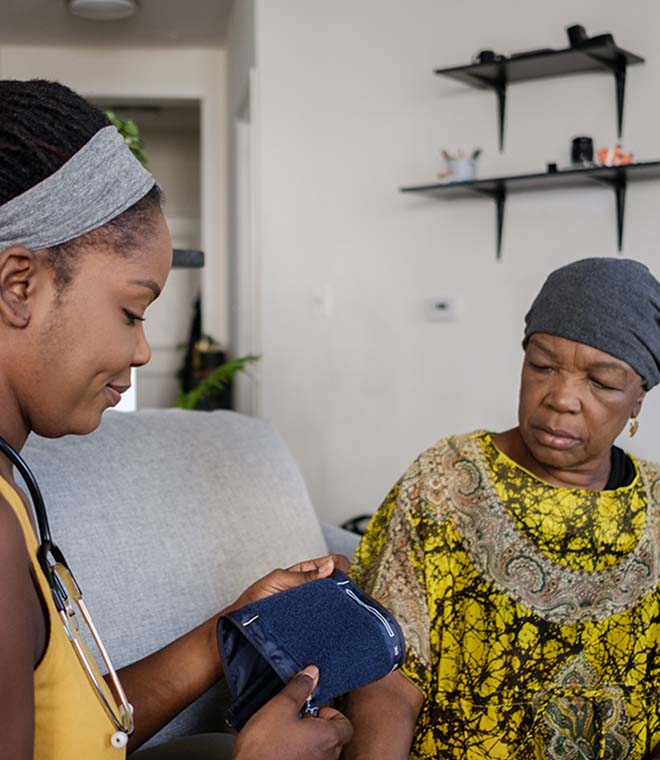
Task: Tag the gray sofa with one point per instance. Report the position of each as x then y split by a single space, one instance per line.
165 516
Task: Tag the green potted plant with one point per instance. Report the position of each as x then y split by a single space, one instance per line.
130 131
214 384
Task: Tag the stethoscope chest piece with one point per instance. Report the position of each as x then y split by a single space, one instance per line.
119 739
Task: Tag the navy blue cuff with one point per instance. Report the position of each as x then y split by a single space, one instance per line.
329 623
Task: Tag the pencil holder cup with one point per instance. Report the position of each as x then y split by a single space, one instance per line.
461 169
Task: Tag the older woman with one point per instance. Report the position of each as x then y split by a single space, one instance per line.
524 566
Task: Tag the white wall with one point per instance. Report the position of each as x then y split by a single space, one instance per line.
174 160
159 74
244 295
354 377
240 50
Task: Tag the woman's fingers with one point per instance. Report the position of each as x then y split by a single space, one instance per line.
296 575
341 562
340 724
301 686
322 566
277 732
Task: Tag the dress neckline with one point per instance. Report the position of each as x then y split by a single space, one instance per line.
502 554
487 437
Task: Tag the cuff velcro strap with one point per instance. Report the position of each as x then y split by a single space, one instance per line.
329 623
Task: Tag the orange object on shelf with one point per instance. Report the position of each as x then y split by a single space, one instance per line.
614 156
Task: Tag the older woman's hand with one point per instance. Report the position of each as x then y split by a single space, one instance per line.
296 575
277 732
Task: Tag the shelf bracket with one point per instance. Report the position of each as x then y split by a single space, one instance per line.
499 196
499 88
620 79
618 66
619 183
500 201
500 91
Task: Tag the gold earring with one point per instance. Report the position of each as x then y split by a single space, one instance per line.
634 427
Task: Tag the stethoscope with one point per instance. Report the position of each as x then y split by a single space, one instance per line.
56 570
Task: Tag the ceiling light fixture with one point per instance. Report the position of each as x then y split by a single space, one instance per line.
103 10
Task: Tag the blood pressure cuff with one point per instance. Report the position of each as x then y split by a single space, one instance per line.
329 623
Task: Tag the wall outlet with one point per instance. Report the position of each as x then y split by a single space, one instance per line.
441 309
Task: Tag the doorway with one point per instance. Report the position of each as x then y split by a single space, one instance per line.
171 133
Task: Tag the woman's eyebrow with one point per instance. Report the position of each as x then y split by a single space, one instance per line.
153 286
609 366
541 347
597 365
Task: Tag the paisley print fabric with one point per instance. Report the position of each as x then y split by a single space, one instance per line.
531 613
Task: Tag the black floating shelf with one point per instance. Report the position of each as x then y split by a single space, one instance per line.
543 64
616 177
187 259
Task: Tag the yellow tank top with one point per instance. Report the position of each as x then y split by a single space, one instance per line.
70 723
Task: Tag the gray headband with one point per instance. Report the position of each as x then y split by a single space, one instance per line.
94 186
610 304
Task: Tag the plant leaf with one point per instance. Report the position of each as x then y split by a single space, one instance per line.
130 131
215 382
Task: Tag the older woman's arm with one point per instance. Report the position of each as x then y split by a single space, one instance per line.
383 715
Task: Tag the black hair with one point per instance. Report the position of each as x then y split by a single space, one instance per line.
42 125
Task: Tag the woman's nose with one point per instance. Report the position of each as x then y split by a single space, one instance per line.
564 395
142 349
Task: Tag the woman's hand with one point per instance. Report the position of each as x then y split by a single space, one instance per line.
277 732
164 683
296 575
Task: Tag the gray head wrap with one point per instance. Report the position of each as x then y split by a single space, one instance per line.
610 304
94 186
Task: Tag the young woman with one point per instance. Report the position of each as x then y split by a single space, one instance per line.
84 250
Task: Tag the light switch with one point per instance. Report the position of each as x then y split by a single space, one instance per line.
323 300
441 309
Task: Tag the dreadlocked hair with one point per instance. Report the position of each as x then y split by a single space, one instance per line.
42 125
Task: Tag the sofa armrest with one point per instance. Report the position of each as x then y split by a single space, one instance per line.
340 541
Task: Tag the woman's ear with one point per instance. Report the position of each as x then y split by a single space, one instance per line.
17 271
638 403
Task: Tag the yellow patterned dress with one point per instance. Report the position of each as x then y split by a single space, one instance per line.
531 613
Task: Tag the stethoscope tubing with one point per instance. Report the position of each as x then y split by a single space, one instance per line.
48 549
